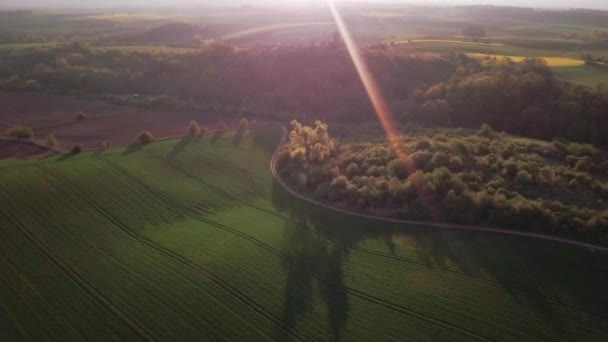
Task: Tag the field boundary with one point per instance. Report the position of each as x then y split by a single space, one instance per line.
437 225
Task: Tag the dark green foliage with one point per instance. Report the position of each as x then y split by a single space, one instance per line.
469 177
76 149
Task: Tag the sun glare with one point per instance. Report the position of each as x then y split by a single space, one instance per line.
380 105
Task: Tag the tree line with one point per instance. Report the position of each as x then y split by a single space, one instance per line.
460 176
319 81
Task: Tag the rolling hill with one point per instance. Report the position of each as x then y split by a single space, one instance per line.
192 238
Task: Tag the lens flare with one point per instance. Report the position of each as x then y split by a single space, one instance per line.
380 105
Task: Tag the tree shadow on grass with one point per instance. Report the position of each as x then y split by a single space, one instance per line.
180 146
238 136
132 149
314 257
216 136
66 156
539 277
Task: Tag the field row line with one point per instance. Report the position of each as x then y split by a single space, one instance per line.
82 283
303 226
379 301
196 268
264 312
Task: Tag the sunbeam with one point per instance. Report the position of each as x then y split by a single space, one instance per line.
380 105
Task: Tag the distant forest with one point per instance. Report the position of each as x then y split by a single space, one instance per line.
319 81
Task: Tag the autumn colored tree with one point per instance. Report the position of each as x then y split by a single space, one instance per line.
310 143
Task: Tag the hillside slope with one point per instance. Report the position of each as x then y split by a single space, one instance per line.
192 238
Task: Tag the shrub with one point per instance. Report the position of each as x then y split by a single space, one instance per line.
459 146
352 170
107 144
422 144
81 116
77 149
456 164
421 159
440 159
143 138
523 177
221 126
510 168
203 130
486 130
582 166
19 132
583 150
194 128
51 140
397 169
244 124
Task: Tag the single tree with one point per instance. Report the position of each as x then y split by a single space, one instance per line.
143 138
77 149
194 128
51 140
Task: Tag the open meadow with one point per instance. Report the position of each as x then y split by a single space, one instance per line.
193 237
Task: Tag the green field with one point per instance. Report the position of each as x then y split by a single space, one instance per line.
589 75
188 239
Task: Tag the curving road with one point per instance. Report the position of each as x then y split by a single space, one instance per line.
421 223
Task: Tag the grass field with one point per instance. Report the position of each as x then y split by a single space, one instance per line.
187 238
589 75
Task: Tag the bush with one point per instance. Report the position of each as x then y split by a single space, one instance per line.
221 126
81 116
143 138
486 130
352 170
194 128
51 140
19 132
456 164
244 124
583 150
523 177
423 144
510 168
77 149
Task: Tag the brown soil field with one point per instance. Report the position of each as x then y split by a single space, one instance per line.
20 149
54 114
121 129
37 109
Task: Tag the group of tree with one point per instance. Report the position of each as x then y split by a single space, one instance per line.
459 176
523 98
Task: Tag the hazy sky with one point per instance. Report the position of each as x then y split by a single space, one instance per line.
599 4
